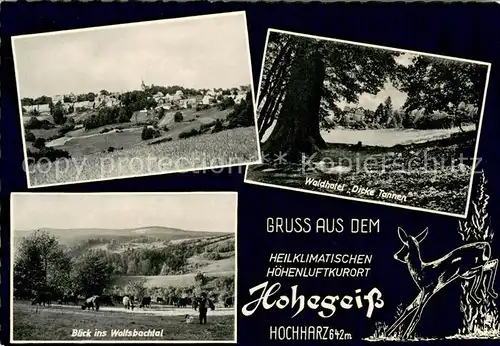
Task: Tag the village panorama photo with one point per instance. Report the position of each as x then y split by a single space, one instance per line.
369 123
136 99
138 270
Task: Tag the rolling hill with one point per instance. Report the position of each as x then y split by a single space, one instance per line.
78 235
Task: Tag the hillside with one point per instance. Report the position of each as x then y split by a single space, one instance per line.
77 236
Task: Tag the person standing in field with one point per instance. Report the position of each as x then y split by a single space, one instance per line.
205 304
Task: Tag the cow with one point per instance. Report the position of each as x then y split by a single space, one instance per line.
106 300
91 303
128 303
183 302
68 298
146 301
160 300
42 298
117 298
228 302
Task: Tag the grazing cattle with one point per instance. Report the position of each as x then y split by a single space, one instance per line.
42 298
146 301
91 303
117 298
128 303
160 300
189 319
106 300
69 298
228 302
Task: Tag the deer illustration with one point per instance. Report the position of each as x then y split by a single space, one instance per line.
470 261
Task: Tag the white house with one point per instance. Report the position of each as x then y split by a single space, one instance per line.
43 108
239 98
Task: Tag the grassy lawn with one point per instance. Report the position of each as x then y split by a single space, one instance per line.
231 147
57 324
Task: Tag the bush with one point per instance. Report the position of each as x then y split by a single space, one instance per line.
33 124
178 117
202 107
434 121
104 130
68 126
187 134
225 103
39 143
165 128
48 153
149 133
29 136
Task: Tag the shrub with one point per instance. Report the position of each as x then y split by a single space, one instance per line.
29 136
104 130
434 121
39 143
225 103
178 117
187 134
218 127
68 126
33 124
48 153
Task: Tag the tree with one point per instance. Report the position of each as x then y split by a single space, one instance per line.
387 112
436 84
29 136
178 117
58 113
40 265
321 73
91 274
482 316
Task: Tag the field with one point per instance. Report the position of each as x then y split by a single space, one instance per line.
78 235
230 147
427 173
57 323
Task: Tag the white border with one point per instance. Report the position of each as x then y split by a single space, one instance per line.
11 282
152 22
397 50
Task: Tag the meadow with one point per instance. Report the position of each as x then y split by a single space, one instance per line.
229 147
429 174
57 324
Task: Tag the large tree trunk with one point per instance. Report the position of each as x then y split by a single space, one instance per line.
297 127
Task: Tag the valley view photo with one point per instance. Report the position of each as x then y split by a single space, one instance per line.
369 123
138 269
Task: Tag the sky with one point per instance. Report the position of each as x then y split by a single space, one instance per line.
201 52
211 212
369 101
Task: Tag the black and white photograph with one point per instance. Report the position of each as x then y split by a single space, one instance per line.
123 267
369 123
136 99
